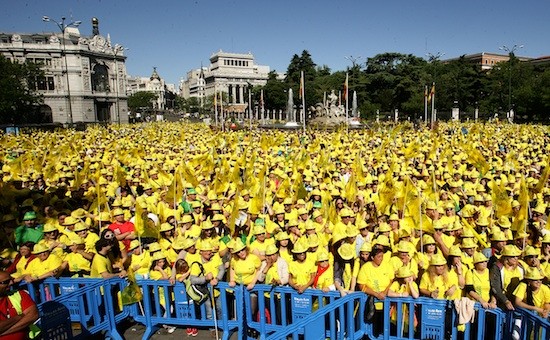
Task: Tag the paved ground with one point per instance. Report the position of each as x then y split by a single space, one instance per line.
135 331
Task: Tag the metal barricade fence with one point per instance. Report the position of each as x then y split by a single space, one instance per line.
278 307
317 326
93 308
166 304
279 311
526 324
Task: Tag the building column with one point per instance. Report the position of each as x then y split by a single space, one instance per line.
241 94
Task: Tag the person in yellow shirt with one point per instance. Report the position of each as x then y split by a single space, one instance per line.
404 258
376 276
457 271
210 270
301 270
505 275
160 270
436 283
167 232
282 242
52 240
532 294
101 264
78 262
90 238
260 242
44 265
17 268
140 260
274 270
324 275
477 285
403 286
245 270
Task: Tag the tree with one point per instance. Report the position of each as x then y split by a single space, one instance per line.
275 96
181 104
141 100
19 100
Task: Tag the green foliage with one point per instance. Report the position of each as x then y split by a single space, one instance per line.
390 81
142 100
18 100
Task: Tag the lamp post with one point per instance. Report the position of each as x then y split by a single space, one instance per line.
62 27
510 54
433 58
117 51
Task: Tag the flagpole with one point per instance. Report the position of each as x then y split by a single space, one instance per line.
426 104
262 109
433 104
221 109
303 101
347 100
250 108
216 105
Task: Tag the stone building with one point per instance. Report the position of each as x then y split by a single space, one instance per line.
232 73
85 76
155 84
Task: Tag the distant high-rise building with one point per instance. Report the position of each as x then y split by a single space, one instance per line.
84 76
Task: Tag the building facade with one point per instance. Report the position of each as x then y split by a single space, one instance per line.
487 61
231 73
155 84
85 76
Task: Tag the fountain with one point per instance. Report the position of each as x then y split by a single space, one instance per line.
290 114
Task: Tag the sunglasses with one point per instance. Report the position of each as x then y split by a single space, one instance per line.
5 282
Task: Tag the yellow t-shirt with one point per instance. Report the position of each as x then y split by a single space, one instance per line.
100 264
509 275
20 267
402 288
480 282
376 278
301 272
540 297
90 242
326 279
396 263
37 267
211 266
438 283
245 269
77 262
142 260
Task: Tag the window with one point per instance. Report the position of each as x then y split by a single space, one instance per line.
44 84
100 79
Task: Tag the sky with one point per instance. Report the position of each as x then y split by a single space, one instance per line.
177 36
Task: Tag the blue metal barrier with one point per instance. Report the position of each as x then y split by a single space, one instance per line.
50 288
93 317
315 325
278 307
278 312
532 325
166 304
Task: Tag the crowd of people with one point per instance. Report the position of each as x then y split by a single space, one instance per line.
451 212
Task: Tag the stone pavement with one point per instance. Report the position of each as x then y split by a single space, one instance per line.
134 331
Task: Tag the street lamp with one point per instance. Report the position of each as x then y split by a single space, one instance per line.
62 26
432 58
354 60
510 54
117 51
